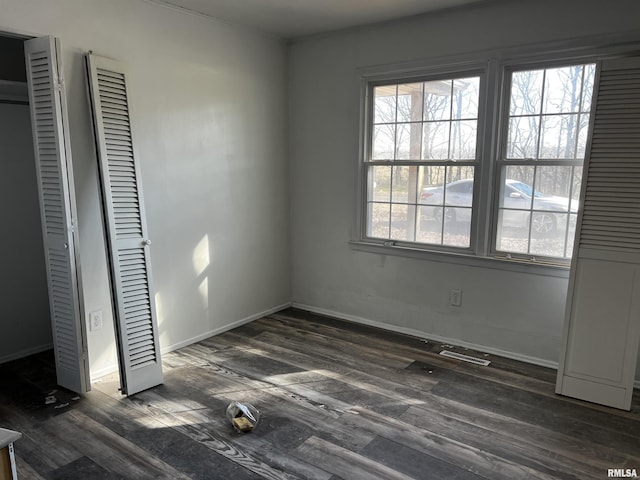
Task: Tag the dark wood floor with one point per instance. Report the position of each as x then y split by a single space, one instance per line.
337 401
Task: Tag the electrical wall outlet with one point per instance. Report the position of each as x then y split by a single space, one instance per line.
455 298
95 321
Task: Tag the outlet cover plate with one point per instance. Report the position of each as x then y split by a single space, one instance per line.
455 298
95 320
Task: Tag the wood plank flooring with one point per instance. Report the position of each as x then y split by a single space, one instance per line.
338 401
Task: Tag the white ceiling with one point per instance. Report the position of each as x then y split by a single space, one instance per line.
295 18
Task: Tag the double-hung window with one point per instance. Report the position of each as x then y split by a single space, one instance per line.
430 140
422 159
545 126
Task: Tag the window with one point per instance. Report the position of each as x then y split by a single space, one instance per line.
422 161
541 169
426 149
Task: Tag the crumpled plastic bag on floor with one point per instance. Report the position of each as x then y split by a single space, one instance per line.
243 416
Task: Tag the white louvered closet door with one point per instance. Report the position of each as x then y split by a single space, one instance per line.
127 239
57 206
602 321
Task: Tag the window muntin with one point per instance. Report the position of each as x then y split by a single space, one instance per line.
546 134
424 138
424 144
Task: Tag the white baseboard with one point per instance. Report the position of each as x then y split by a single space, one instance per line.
25 353
437 338
96 375
225 328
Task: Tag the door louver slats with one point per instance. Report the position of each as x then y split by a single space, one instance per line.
139 351
137 307
57 207
121 169
613 185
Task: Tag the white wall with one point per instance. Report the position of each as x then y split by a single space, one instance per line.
517 313
209 117
24 316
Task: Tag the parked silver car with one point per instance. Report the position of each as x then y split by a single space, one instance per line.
517 204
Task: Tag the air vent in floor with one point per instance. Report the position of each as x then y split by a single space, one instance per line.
465 358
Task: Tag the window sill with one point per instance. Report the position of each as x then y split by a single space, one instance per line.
496 263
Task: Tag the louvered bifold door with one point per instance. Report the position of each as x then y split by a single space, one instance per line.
602 321
57 207
127 239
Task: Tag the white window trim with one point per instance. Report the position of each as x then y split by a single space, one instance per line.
502 117
482 251
479 69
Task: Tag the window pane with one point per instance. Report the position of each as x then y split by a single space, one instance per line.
429 227
405 181
587 89
383 142
457 227
582 136
437 100
552 243
409 141
526 92
459 191
517 190
553 188
523 137
463 139
435 141
513 231
563 89
559 134
466 92
378 220
577 188
410 102
402 221
379 184
384 104
432 185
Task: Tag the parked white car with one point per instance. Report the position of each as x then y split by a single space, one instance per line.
516 205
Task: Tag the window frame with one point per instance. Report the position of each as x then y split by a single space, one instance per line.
483 253
499 161
449 72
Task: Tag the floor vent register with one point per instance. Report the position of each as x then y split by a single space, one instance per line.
465 358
